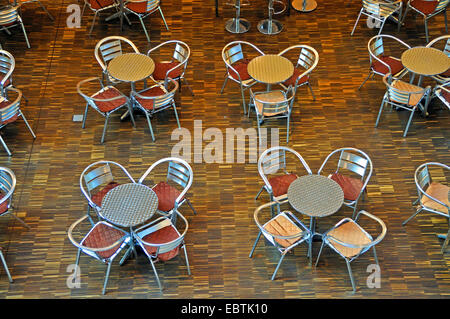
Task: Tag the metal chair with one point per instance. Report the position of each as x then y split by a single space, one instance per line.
380 11
442 92
432 196
175 68
427 9
156 99
98 6
272 105
270 25
10 112
23 2
381 62
105 101
445 39
405 96
7 188
102 242
107 49
284 231
236 65
237 25
9 18
179 173
349 240
97 179
161 240
142 9
306 62
352 162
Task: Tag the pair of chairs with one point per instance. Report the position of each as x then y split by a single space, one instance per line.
161 239
140 8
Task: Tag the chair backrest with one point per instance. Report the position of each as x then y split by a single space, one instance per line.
422 179
282 106
9 15
7 184
441 5
233 52
160 101
376 47
397 95
7 65
371 6
110 47
446 48
11 110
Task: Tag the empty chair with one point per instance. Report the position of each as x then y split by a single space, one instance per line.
7 188
9 17
306 62
107 49
441 43
102 242
443 93
179 174
98 6
349 240
104 99
284 231
97 179
236 63
174 68
142 9
405 96
432 195
353 171
427 9
156 99
382 61
272 105
10 112
380 11
161 240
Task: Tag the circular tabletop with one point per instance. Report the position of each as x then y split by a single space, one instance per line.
131 67
128 205
270 69
425 61
315 195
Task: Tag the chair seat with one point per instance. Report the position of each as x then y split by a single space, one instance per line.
167 194
280 184
349 233
282 226
293 78
426 7
241 68
161 69
103 235
148 104
440 192
395 65
273 97
97 198
161 236
350 186
108 93
406 87
4 205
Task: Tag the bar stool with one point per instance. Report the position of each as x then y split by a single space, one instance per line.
237 25
271 26
304 5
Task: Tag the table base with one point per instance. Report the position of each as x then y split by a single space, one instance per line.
270 26
304 5
237 25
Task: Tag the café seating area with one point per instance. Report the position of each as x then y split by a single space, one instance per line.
97 202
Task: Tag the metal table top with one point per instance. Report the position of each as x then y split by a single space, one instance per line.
425 61
270 69
315 195
128 205
131 67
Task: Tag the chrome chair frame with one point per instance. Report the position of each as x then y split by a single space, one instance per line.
9 18
327 239
439 78
8 185
7 66
91 101
357 164
438 93
375 46
422 179
231 53
22 2
114 5
304 235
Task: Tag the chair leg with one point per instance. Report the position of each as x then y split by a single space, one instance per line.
104 128
278 266
412 216
368 76
85 115
382 25
21 221
351 275
156 274
4 145
130 111
243 99
379 113
287 130
312 93
224 83
187 260
106 277
254 245
150 126
145 29
426 29
445 18
82 11
45 9
93 22
375 256
357 20
445 244
25 34
409 123
6 267
28 125
162 16
259 193
189 87
320 252
176 114
190 205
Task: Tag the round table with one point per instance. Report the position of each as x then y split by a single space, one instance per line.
425 61
270 69
131 67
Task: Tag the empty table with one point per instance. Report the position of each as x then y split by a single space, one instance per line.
270 69
131 67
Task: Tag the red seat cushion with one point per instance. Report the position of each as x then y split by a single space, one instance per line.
103 236
4 104
426 7
98 197
161 69
161 236
98 4
280 184
350 186
241 68
395 65
4 205
138 7
293 78
148 103
109 93
167 195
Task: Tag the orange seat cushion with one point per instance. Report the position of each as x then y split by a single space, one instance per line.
241 68
149 103
161 69
350 186
167 195
108 93
280 184
395 65
97 198
103 236
426 7
293 78
440 192
161 236
282 226
349 233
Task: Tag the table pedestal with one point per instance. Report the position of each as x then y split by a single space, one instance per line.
304 5
270 26
236 25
